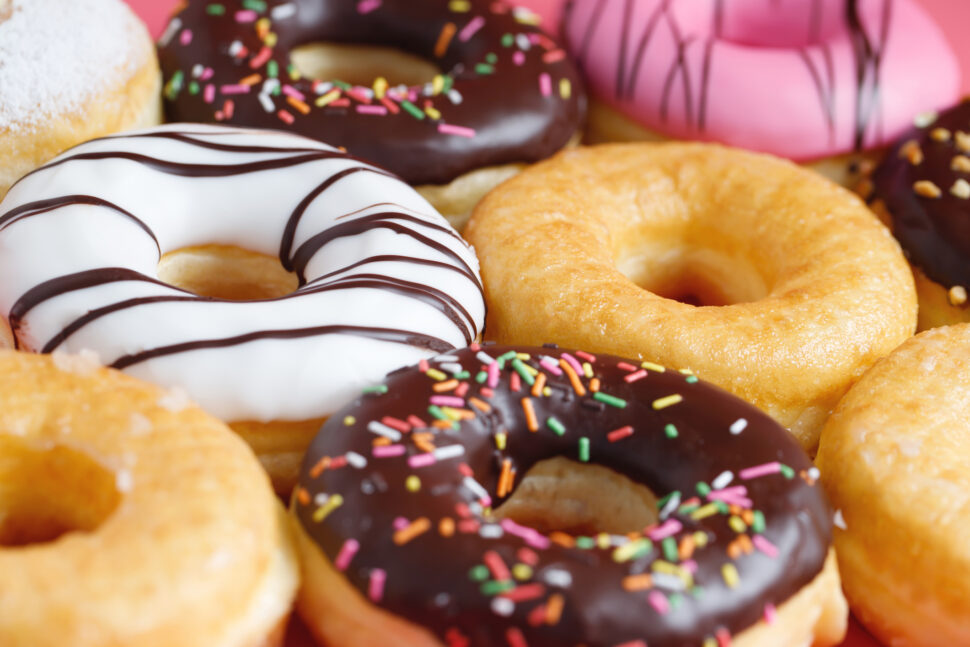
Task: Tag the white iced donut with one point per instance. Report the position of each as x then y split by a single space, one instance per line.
384 281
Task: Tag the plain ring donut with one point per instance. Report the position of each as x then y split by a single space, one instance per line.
82 237
131 517
632 505
801 287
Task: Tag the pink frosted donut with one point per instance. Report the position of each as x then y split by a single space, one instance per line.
803 79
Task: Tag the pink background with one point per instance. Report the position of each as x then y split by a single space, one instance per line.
953 15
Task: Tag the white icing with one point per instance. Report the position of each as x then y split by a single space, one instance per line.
55 55
264 379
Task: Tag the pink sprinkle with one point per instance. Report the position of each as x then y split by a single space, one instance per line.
659 602
285 117
527 556
770 614
400 523
375 590
229 107
390 105
760 470
733 491
347 552
690 566
186 36
581 354
207 74
633 643
290 91
416 422
387 451
261 59
367 6
467 526
423 366
471 28
532 536
493 374
519 57
572 361
235 89
358 94
624 366
447 401
545 84
246 15
550 366
534 38
395 423
462 389
209 94
421 460
451 129
765 546
372 110
732 499
633 377
669 527
554 56
496 565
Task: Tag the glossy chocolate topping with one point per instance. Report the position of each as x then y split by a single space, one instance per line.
923 183
396 487
507 94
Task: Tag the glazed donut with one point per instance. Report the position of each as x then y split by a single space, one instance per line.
922 191
52 98
81 239
499 93
592 248
854 73
400 534
894 460
131 518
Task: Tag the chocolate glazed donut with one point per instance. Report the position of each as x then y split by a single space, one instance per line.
740 526
507 94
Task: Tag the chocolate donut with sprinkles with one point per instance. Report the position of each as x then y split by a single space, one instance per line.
506 93
537 496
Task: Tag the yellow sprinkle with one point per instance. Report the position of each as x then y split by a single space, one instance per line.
670 400
547 391
686 371
459 6
709 642
525 357
349 420
271 39
565 88
501 440
650 366
522 572
380 87
332 504
432 112
603 540
702 513
700 538
327 98
666 568
412 483
438 84
435 374
587 369
737 524
730 574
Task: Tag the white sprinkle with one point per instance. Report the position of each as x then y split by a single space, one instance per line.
139 425
124 481
321 498
455 96
722 480
173 28
235 47
558 577
355 460
321 88
484 358
270 86
197 70
449 451
267 102
381 429
475 487
444 358
491 531
84 363
738 426
452 368
283 11
839 520
813 473
672 504
175 399
668 581
522 42
502 606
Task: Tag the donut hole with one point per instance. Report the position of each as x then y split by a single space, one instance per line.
562 495
695 276
226 272
361 64
48 493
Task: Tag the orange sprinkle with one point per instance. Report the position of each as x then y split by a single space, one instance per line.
747 516
504 479
637 582
444 39
299 105
441 387
441 424
594 384
554 608
463 414
573 378
415 528
446 527
252 79
320 465
381 441
481 405
561 538
686 548
539 385
734 549
302 496
746 544
530 415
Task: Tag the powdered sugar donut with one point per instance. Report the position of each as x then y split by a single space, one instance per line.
383 280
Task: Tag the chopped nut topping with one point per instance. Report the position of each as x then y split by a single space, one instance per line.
940 134
927 189
960 163
957 295
924 119
961 189
963 141
912 152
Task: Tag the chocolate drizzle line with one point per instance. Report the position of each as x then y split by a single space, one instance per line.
395 220
432 554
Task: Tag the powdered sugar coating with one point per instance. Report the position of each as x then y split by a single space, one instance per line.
56 55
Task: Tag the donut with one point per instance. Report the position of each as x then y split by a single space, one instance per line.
372 277
853 72
491 94
922 191
130 517
53 97
762 277
894 461
537 496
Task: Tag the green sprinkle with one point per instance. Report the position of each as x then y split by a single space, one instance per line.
722 507
449 83
478 573
215 10
464 375
687 508
632 550
556 426
691 379
293 72
611 400
436 411
343 85
788 472
697 592
193 87
523 373
662 502
584 449
508 40
255 5
504 357
491 58
676 600
174 86
585 543
670 430
412 109
379 389
484 68
703 488
481 377
496 586
272 69
758 522
669 546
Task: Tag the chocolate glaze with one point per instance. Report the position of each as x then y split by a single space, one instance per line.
513 120
934 232
427 578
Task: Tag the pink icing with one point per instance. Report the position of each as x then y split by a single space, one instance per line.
803 79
